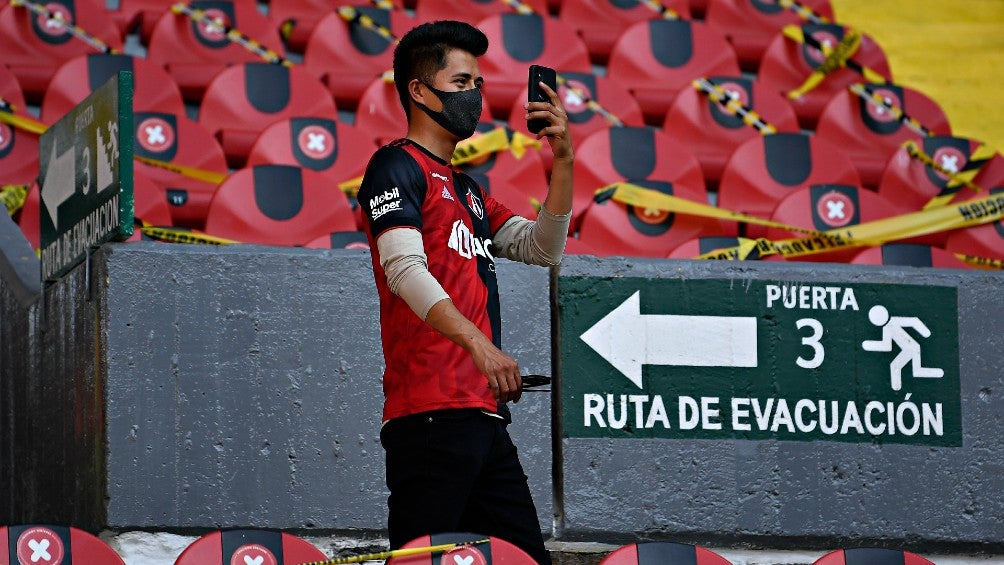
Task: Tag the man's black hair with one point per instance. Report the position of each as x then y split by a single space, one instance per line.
421 53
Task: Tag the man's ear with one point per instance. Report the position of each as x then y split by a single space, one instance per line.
416 92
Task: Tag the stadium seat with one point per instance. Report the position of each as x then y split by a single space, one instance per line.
986 240
693 248
245 99
909 255
663 553
699 8
615 229
278 205
264 547
762 171
601 22
582 120
871 556
869 134
526 174
518 41
150 205
381 116
630 154
347 56
340 240
470 11
910 184
194 53
823 207
786 64
10 89
18 153
55 544
179 141
575 246
154 89
656 59
29 218
495 551
34 47
139 15
712 132
333 148
512 196
296 19
750 25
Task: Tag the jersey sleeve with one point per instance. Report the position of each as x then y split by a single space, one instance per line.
392 191
498 214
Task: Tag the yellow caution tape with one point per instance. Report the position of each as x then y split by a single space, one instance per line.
897 113
180 235
234 35
803 11
878 232
836 57
350 15
634 195
665 12
519 7
74 30
981 262
20 122
493 142
958 179
749 116
13 196
590 103
351 186
212 177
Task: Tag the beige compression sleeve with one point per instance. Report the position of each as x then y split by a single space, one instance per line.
539 242
402 256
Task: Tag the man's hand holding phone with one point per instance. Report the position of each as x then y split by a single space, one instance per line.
545 113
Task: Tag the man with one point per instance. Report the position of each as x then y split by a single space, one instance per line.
434 232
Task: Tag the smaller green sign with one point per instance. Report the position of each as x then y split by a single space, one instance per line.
753 359
85 160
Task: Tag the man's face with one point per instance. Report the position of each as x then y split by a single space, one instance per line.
461 73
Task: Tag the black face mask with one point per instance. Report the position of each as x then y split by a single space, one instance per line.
461 110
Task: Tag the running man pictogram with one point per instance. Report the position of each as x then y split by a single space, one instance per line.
894 332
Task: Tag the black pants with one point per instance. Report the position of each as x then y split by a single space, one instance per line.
457 471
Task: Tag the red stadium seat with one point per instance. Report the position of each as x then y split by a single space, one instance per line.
470 11
631 154
381 116
347 56
575 246
296 19
154 89
54 544
658 58
909 255
139 15
18 153
786 64
278 205
10 89
33 47
762 171
693 248
663 553
612 228
985 240
823 207
194 53
582 120
513 197
245 99
150 205
871 556
249 546
750 25
340 240
518 41
601 22
333 148
526 174
910 184
870 134
699 8
179 141
495 551
712 132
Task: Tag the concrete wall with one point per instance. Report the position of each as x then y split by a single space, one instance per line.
806 493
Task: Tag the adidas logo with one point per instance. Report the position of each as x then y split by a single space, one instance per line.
446 194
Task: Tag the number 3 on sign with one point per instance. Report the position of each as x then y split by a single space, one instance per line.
813 342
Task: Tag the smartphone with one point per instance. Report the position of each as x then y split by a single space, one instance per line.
538 74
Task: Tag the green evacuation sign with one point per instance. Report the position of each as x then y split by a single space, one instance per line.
86 177
753 359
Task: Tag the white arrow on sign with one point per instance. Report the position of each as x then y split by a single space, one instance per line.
60 176
628 340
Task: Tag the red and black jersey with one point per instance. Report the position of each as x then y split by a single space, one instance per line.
405 186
